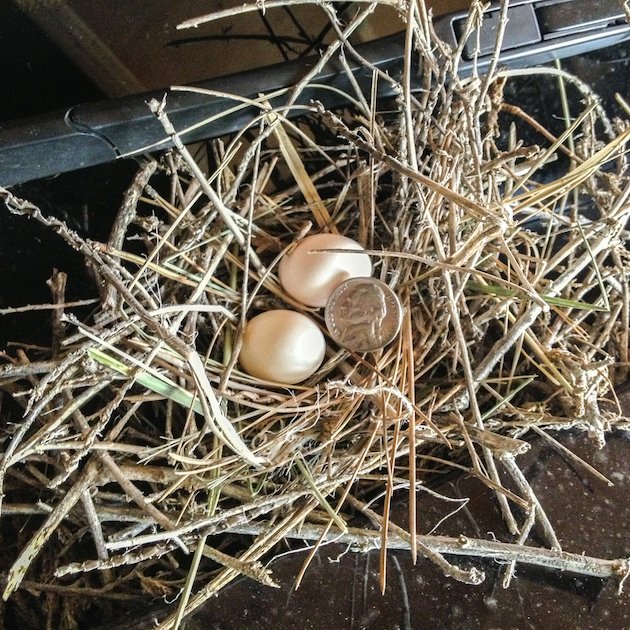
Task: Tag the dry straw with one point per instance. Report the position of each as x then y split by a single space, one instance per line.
139 432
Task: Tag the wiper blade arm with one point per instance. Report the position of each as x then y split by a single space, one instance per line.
538 31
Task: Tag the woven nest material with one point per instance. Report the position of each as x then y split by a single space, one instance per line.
142 437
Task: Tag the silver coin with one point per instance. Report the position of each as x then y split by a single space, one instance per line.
363 314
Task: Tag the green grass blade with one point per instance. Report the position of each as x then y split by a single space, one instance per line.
549 299
161 385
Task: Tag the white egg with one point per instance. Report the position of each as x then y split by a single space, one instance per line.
282 346
310 278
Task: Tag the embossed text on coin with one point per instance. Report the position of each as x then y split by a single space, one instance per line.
363 314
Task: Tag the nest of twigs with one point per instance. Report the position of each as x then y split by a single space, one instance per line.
141 439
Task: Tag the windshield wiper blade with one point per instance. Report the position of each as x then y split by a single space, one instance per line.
537 32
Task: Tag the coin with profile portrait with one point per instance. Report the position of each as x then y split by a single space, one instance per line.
363 314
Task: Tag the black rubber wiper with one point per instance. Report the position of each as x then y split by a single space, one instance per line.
538 31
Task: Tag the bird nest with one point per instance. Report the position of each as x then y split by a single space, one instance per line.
140 438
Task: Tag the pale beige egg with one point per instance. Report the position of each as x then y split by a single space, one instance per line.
282 346
310 277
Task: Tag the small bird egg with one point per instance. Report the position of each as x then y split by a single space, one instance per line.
282 346
310 277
